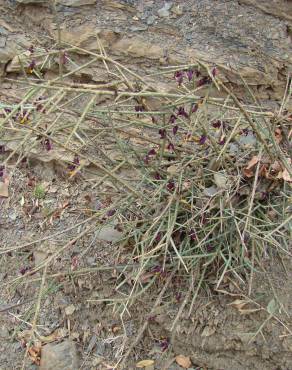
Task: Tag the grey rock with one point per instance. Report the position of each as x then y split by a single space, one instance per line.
61 356
138 28
76 3
150 20
163 13
109 233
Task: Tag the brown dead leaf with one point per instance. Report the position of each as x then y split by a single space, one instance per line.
286 176
35 354
248 172
183 361
240 304
254 160
144 363
278 135
4 188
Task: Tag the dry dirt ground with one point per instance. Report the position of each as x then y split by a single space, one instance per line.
250 39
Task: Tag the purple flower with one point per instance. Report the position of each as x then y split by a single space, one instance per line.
222 141
7 110
23 270
32 65
64 58
76 160
111 212
2 168
203 139
47 144
172 118
214 72
151 152
174 130
158 237
157 176
182 112
162 133
194 108
164 344
245 131
204 81
209 248
192 234
170 147
157 269
217 124
146 159
190 74
31 49
170 185
179 76
178 296
138 108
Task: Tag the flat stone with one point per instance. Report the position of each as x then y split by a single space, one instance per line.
76 3
60 356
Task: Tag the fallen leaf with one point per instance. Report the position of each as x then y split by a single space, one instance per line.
4 188
220 180
144 363
253 161
211 191
272 306
69 310
286 176
278 135
35 354
208 331
183 361
238 303
248 172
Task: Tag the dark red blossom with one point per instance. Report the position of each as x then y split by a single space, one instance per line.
179 77
214 72
151 152
157 176
174 130
217 124
192 234
111 212
172 118
47 144
204 81
146 159
164 344
64 58
162 133
194 108
139 108
32 65
170 146
203 139
158 237
170 185
182 112
222 141
190 74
